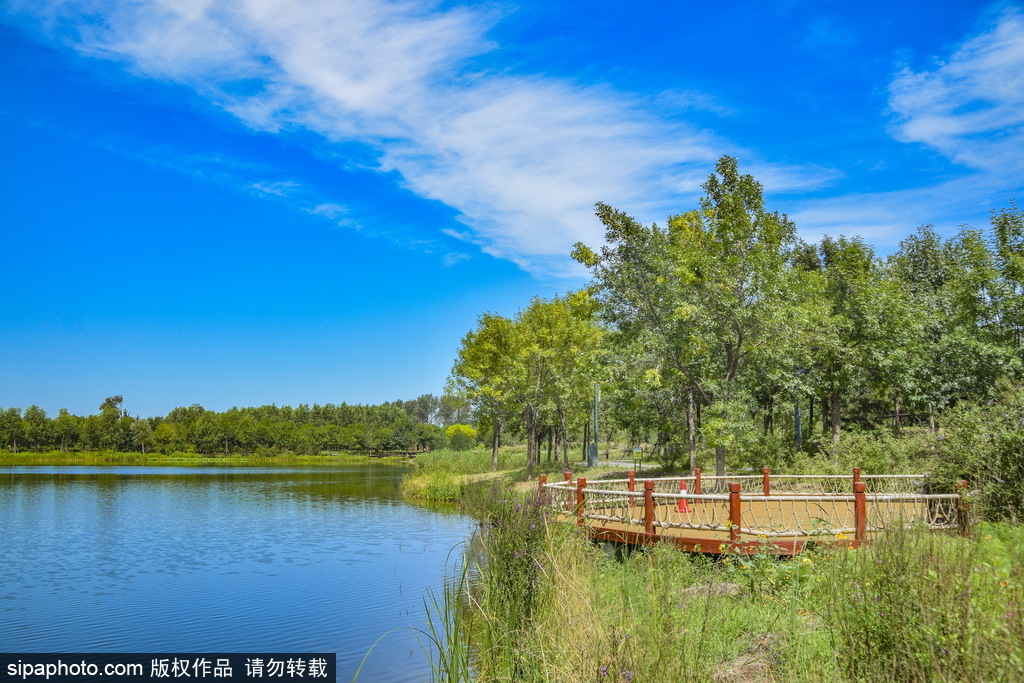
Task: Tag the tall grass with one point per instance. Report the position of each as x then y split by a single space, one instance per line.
551 606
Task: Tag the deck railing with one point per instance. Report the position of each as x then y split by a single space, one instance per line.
762 506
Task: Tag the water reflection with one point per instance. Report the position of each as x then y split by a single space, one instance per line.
220 559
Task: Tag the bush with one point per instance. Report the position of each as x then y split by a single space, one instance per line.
983 445
460 437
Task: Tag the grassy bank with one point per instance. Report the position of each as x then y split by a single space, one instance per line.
550 606
447 475
179 458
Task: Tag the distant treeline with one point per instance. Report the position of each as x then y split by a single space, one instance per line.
397 426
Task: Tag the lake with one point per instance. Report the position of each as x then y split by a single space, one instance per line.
233 559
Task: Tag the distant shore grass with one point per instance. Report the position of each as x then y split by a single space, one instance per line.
182 458
446 475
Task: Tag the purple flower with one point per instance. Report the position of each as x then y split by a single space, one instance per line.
604 670
628 674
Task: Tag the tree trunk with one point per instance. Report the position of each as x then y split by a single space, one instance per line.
835 422
530 417
586 441
931 417
810 419
565 439
691 430
495 442
551 444
897 421
826 413
719 462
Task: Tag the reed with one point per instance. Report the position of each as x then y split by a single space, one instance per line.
548 605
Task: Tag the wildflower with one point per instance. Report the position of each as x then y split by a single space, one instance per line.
604 670
1003 584
1008 615
628 674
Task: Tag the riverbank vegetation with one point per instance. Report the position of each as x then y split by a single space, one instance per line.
548 605
105 457
262 432
723 331
722 340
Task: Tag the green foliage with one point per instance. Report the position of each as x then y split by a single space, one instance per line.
983 446
913 606
460 437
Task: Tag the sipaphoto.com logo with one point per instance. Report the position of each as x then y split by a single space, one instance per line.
72 669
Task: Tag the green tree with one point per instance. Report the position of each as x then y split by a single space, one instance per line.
67 428
164 436
37 427
460 437
483 373
142 435
714 291
11 428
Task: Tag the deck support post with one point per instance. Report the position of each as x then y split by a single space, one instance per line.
649 507
963 520
696 481
581 484
632 487
860 511
540 486
735 513
765 483
856 477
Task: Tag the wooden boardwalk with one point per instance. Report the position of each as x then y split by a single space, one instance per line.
760 513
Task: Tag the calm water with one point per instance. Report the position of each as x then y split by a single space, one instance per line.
162 559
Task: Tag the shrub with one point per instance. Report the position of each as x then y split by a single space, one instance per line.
983 446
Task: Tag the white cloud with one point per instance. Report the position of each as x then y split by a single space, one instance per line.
454 257
885 218
522 159
970 107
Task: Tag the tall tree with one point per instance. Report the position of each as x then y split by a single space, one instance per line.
714 290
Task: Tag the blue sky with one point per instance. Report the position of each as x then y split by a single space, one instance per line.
239 202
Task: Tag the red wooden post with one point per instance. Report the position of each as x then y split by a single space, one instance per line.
632 487
856 477
540 487
764 481
581 484
735 512
963 520
696 481
649 507
860 511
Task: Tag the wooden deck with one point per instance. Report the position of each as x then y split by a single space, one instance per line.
764 520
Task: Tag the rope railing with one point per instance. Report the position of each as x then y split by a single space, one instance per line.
761 506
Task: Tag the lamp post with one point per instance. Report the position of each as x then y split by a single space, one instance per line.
592 452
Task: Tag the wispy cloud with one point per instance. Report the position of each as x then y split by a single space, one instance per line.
886 218
969 107
522 158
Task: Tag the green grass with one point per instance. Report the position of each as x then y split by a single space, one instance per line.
548 605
